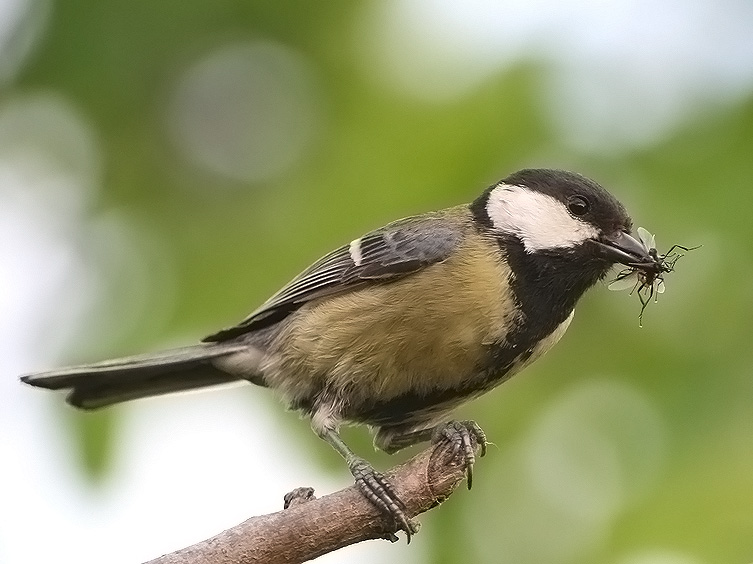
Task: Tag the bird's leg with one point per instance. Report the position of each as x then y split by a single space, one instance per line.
458 434
373 485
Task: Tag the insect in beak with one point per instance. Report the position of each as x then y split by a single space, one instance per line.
646 277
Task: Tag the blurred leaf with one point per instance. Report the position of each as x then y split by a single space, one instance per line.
94 433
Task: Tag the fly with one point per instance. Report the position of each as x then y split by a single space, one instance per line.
647 278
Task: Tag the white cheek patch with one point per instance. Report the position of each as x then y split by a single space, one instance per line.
539 221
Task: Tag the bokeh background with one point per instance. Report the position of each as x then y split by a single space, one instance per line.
165 166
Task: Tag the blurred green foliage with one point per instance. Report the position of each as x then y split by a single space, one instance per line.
380 156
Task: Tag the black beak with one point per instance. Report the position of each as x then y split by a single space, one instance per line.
624 248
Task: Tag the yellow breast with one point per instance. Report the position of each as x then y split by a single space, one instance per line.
423 332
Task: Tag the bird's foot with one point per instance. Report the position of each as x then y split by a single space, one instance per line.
461 436
298 496
378 490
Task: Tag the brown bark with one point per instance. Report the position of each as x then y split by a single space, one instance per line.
310 527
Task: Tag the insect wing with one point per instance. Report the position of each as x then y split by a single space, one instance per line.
659 285
624 282
647 239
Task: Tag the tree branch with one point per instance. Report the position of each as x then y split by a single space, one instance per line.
310 527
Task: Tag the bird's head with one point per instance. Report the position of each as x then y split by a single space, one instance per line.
561 214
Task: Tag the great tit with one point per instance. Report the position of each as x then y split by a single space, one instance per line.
402 325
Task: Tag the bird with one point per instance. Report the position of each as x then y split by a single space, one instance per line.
402 325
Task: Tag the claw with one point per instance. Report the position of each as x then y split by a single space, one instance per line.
378 490
460 435
298 496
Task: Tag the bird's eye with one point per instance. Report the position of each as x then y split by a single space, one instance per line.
578 205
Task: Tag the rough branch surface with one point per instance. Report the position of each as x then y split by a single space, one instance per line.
311 527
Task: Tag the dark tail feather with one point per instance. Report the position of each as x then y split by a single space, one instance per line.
113 381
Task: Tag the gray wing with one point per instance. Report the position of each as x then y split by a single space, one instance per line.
387 254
